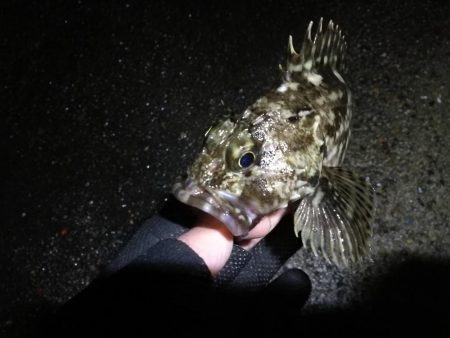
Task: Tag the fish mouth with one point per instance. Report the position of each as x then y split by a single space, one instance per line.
239 217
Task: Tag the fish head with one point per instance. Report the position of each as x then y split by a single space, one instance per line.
246 170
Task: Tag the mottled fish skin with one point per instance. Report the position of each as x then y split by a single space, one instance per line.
288 146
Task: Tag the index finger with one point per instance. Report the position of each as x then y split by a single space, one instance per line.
262 229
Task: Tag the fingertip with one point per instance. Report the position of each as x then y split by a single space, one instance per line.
266 224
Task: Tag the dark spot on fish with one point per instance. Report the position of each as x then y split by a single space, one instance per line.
323 148
314 180
339 113
296 102
330 130
258 110
307 140
293 119
295 59
274 96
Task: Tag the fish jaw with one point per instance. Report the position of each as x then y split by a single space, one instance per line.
238 216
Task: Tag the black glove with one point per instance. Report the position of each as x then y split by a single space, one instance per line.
158 283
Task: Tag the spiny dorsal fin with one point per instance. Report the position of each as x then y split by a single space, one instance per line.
319 54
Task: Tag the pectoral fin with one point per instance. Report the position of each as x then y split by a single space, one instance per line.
335 220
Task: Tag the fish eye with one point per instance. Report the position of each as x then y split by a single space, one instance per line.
246 159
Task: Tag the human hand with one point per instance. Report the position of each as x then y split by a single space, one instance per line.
262 229
213 242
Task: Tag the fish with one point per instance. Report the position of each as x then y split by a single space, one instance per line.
286 150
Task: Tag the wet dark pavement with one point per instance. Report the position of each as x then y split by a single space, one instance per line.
104 106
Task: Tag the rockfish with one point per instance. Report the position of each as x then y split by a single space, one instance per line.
287 149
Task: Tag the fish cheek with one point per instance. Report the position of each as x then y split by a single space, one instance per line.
208 169
197 170
259 193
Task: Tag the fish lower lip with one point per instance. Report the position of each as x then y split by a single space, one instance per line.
223 206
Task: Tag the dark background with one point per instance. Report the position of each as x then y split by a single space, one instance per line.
105 104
